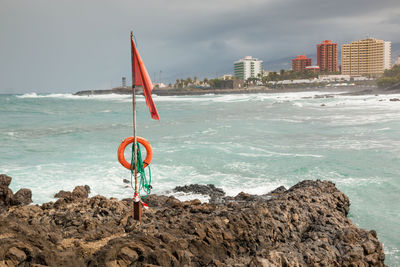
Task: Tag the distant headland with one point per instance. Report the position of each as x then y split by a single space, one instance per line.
352 90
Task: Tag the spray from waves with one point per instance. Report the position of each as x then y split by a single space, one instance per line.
227 98
76 97
297 104
372 101
223 98
28 95
189 196
375 116
168 177
35 95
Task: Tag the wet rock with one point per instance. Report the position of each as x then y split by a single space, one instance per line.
22 197
216 194
278 191
63 194
126 181
81 192
6 196
369 247
394 99
246 197
305 225
5 180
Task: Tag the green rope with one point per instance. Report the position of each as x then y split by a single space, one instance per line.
144 183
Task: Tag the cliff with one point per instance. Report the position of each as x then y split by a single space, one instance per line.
305 225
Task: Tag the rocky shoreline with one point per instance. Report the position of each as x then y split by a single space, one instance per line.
350 90
305 225
179 92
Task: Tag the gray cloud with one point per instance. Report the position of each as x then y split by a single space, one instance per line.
70 45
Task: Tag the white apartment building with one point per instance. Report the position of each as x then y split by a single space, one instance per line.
333 78
227 77
248 67
388 55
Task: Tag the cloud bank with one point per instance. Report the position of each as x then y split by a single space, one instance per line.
65 46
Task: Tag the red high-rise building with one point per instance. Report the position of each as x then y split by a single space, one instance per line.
300 63
327 56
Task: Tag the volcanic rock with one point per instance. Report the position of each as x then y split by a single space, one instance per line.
63 194
8 199
305 225
79 192
215 193
6 196
5 180
22 197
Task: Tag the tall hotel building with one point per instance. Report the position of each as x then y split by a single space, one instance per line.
248 67
366 57
327 56
300 63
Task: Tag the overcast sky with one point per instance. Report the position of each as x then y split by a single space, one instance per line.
66 46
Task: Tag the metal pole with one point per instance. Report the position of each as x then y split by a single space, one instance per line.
136 207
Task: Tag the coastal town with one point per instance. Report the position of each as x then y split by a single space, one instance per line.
362 62
365 63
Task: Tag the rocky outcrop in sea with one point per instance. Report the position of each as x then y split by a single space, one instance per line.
305 225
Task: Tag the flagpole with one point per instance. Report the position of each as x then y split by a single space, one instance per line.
137 214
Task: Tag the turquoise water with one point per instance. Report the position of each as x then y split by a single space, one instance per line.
251 143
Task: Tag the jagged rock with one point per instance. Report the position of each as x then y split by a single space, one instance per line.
79 192
5 180
16 254
6 196
209 189
8 199
305 225
22 197
215 194
246 197
277 191
63 194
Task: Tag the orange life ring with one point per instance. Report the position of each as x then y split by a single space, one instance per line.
129 140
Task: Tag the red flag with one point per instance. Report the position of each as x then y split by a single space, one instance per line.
142 78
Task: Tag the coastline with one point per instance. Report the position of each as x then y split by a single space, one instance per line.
345 90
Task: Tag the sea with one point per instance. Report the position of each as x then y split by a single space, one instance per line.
238 142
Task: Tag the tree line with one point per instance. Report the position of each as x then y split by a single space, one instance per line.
390 77
260 79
